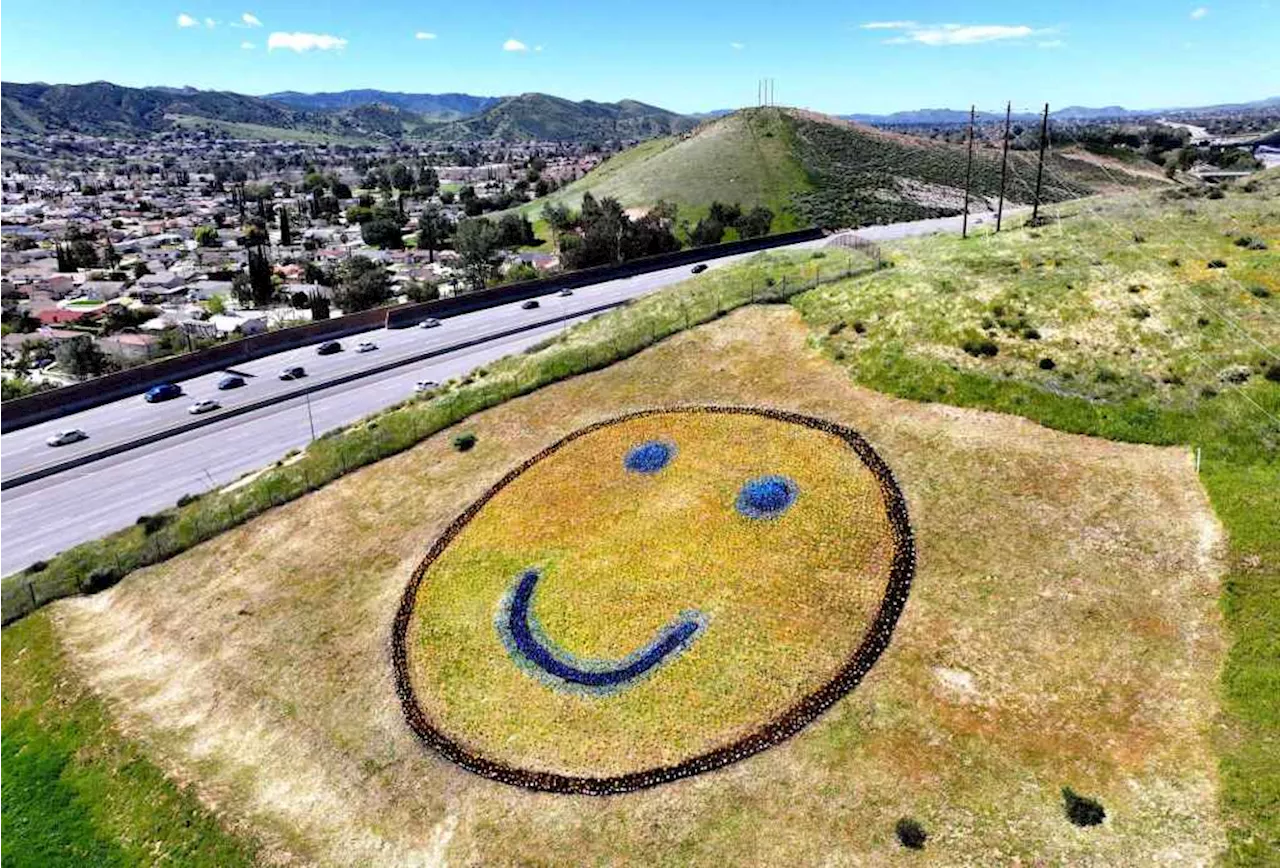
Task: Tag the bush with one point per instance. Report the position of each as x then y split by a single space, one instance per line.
1047 364
835 329
1259 292
99 580
980 347
1215 193
464 442
38 567
1031 334
1081 810
859 327
186 499
152 523
1139 312
1273 374
910 834
1217 263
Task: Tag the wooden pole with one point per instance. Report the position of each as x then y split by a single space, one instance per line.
1044 142
968 176
1004 163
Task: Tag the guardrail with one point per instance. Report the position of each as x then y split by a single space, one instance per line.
43 406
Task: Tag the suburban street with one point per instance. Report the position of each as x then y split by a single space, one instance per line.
40 518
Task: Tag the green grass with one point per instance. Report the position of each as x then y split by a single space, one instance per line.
262 132
1163 386
76 792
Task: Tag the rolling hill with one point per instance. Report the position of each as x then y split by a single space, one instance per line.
538 116
429 106
812 169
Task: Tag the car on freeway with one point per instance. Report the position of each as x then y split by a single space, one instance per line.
328 348
425 385
699 268
531 304
162 392
231 381
366 347
293 372
204 405
69 435
565 293
429 323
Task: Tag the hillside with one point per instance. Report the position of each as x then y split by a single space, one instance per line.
430 106
538 116
811 169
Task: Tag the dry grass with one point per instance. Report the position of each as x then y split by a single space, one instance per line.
1062 629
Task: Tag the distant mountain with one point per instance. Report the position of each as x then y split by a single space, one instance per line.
104 108
945 117
1082 113
538 116
430 106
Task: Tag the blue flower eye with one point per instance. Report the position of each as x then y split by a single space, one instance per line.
766 497
650 456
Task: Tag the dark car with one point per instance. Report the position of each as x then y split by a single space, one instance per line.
699 268
328 348
293 372
163 392
230 381
531 304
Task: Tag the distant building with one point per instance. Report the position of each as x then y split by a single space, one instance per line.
130 347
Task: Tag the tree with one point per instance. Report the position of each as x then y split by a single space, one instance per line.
359 214
81 357
433 228
515 231
708 231
207 236
319 307
140 269
401 178
340 190
362 284
559 218
755 223
478 244
262 290
382 233
725 215
421 290
286 237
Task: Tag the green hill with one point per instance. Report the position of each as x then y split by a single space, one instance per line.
811 169
538 116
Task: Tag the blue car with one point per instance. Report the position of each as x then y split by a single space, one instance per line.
231 381
163 392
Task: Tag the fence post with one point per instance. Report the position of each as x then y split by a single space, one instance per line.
31 589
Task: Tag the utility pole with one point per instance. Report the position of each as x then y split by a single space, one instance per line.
1044 142
311 420
1004 162
968 175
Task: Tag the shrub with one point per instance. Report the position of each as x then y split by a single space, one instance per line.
1030 334
186 499
1175 262
836 328
980 347
1273 373
99 580
464 442
1047 364
910 834
1202 321
1259 292
38 567
1082 810
860 327
1215 193
1139 312
152 523
1217 263
1139 238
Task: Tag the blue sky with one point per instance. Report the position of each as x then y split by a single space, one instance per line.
687 56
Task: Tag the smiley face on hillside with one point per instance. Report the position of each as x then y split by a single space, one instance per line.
653 597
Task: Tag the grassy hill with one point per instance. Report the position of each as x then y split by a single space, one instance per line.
539 116
811 169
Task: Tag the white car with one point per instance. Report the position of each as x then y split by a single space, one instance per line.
565 293
425 386
204 405
366 347
70 435
429 323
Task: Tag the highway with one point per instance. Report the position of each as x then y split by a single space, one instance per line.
38 519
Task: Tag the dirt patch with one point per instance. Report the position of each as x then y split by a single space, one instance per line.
1071 582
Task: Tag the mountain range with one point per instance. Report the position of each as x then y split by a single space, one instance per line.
103 108
942 116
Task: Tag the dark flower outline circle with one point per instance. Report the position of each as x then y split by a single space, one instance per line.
805 711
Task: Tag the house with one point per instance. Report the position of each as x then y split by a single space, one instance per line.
160 280
202 290
51 316
130 347
228 324
103 290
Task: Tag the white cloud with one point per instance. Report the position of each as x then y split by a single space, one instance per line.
952 34
537 48
422 34
185 20
737 46
250 20
514 45
301 42
1199 12
1052 43
247 46
210 23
